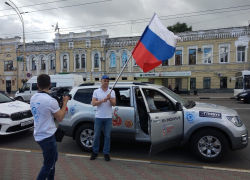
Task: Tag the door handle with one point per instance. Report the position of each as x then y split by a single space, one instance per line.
156 119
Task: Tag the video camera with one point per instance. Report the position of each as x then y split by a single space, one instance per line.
67 94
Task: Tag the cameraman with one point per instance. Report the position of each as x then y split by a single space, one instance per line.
44 108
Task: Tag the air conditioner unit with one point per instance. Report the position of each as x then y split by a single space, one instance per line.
200 49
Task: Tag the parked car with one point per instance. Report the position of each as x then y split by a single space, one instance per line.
244 96
30 87
209 129
15 116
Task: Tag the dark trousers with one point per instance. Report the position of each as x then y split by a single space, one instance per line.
50 156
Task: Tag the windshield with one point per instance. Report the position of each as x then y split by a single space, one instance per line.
4 99
239 83
175 96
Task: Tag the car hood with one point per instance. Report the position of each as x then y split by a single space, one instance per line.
214 108
13 107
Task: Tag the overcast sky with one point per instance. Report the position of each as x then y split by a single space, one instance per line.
117 16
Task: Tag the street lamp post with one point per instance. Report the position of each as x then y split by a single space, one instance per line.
24 49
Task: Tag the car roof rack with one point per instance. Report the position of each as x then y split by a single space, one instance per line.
87 84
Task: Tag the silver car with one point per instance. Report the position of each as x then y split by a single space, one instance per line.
209 130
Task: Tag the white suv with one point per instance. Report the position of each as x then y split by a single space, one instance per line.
15 116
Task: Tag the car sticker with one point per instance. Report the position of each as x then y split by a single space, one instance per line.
117 121
169 128
128 123
209 114
163 130
72 109
190 116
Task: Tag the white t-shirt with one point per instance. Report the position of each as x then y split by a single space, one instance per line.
42 106
104 110
151 103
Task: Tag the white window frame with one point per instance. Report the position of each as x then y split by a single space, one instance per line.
110 64
206 46
241 56
227 45
93 60
179 49
192 47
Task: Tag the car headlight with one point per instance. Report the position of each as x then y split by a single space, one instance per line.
235 120
2 115
243 94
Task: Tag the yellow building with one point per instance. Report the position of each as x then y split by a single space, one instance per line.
204 60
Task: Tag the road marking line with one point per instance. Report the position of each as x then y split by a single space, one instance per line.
142 161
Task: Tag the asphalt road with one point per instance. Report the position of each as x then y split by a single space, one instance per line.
181 155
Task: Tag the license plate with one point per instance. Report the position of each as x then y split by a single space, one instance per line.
27 123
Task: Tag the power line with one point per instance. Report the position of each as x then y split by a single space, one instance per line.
35 5
63 7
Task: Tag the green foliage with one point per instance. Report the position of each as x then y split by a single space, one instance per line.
179 27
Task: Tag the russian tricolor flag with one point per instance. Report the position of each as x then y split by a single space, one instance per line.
156 45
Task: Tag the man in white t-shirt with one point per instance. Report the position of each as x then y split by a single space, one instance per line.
104 100
151 103
44 108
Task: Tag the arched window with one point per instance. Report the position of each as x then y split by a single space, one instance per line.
124 58
33 63
52 62
65 66
42 63
112 60
96 61
83 60
77 62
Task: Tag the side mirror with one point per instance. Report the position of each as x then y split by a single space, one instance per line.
178 106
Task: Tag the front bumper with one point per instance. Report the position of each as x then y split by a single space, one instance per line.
7 126
239 137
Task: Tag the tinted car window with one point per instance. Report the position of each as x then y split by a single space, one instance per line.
4 99
84 95
27 87
34 87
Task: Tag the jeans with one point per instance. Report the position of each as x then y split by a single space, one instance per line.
50 156
106 123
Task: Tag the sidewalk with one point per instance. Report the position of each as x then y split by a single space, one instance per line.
208 96
26 165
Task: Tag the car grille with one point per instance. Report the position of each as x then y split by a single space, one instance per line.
19 128
21 115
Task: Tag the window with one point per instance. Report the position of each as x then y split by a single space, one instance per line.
112 60
27 87
34 87
224 54
207 55
96 61
83 60
77 62
33 63
178 57
192 83
165 63
206 83
124 78
239 83
42 63
247 81
65 66
241 53
53 84
135 78
122 96
112 79
124 58
96 79
223 82
8 65
192 56
84 79
84 95
52 62
8 55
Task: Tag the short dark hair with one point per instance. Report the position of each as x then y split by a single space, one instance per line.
43 81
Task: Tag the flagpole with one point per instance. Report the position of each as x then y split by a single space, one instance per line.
121 72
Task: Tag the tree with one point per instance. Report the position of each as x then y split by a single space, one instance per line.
179 27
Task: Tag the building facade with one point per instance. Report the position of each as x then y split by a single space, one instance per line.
206 61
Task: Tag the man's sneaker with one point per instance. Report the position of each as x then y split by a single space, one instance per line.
93 156
106 157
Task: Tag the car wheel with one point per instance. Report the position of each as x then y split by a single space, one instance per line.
209 145
19 98
85 137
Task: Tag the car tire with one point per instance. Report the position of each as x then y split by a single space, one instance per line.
85 137
209 145
19 98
